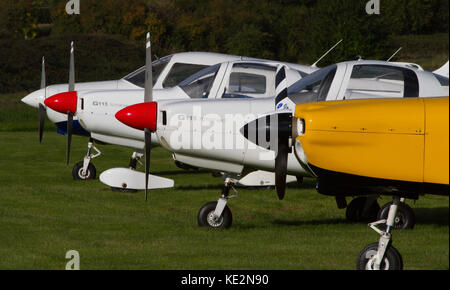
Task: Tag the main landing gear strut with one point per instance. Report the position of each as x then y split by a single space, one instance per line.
84 170
216 214
382 255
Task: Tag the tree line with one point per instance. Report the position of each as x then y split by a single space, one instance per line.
283 29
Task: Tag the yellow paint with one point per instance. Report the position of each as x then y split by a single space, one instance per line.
436 141
379 138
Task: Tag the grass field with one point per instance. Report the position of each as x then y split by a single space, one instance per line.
44 213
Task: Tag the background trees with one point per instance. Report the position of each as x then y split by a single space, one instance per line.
290 30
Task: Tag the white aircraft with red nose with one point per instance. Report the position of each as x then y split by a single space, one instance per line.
95 110
167 72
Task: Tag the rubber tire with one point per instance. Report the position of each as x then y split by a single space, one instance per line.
355 207
392 255
406 218
207 209
91 171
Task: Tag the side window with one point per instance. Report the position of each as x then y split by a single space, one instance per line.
313 87
382 81
246 83
250 80
199 84
138 77
181 71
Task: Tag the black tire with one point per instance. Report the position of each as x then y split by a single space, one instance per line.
204 217
78 168
392 258
405 219
355 211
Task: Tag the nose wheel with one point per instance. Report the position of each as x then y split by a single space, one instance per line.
382 255
392 258
207 218
79 174
216 214
85 170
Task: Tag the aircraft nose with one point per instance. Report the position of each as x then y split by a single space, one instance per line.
63 102
35 98
139 116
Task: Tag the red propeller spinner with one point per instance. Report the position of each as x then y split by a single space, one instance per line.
63 102
139 116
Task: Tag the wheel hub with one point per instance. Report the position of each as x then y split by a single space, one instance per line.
80 173
212 221
371 255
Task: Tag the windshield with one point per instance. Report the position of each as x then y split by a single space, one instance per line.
199 84
313 87
138 77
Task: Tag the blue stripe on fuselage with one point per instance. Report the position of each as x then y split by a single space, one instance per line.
77 129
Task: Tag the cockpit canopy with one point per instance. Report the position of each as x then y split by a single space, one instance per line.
178 72
366 80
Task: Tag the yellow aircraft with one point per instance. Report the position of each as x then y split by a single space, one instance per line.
397 147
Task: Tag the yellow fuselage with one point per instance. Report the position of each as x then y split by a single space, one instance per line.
394 139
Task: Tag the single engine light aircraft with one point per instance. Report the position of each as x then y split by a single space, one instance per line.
397 147
238 127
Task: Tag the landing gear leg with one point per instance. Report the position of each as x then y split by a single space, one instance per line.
216 214
135 159
382 255
84 170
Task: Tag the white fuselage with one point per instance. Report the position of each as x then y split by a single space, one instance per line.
208 133
96 109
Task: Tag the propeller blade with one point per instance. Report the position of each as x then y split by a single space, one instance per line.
148 96
42 112
69 134
281 170
148 144
72 69
43 79
281 160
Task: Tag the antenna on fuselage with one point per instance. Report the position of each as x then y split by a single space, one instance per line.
326 53
395 53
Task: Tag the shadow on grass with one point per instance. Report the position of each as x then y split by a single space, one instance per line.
432 216
201 187
178 172
311 222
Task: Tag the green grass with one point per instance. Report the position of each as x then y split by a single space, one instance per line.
44 213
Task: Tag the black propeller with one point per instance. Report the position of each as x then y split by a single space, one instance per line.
69 134
283 149
273 132
42 110
148 144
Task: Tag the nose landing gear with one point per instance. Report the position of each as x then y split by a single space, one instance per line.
85 170
382 255
216 214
